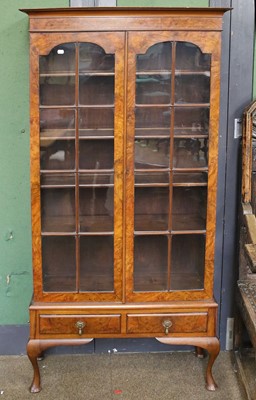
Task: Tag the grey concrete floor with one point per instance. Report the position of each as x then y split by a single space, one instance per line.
149 376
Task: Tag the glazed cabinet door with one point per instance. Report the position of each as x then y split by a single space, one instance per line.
172 137
77 123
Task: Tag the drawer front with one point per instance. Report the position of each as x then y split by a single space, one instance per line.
164 324
79 324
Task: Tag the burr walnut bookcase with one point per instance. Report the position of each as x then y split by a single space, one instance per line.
124 159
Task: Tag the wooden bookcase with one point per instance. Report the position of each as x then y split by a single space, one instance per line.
124 161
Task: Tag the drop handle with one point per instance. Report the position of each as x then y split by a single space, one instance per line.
167 325
80 326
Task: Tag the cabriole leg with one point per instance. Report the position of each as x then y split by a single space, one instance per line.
34 351
211 344
213 349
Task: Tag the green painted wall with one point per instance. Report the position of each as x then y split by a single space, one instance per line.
15 237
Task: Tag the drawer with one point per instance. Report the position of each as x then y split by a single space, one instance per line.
69 324
176 323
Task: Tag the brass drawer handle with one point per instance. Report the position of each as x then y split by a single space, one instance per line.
80 326
167 325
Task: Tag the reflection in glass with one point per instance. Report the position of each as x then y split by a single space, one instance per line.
189 208
97 263
192 88
58 210
91 125
57 123
93 58
187 262
151 208
190 153
153 89
96 179
180 178
61 59
96 154
96 209
190 58
57 154
57 90
152 153
59 263
148 178
150 263
191 121
57 179
96 90
157 57
153 120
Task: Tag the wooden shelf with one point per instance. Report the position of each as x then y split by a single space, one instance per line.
56 74
163 105
170 72
158 282
96 73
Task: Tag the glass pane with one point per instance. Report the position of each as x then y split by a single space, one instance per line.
61 59
58 210
151 208
59 263
187 262
96 209
57 154
190 58
57 123
96 154
189 208
96 263
57 90
151 177
152 121
190 153
96 90
96 179
189 177
191 121
91 125
157 57
93 58
150 263
57 179
192 88
152 153
153 89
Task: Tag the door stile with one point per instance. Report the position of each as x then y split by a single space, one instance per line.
35 171
119 134
76 168
212 166
129 176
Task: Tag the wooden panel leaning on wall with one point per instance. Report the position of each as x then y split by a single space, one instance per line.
246 285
